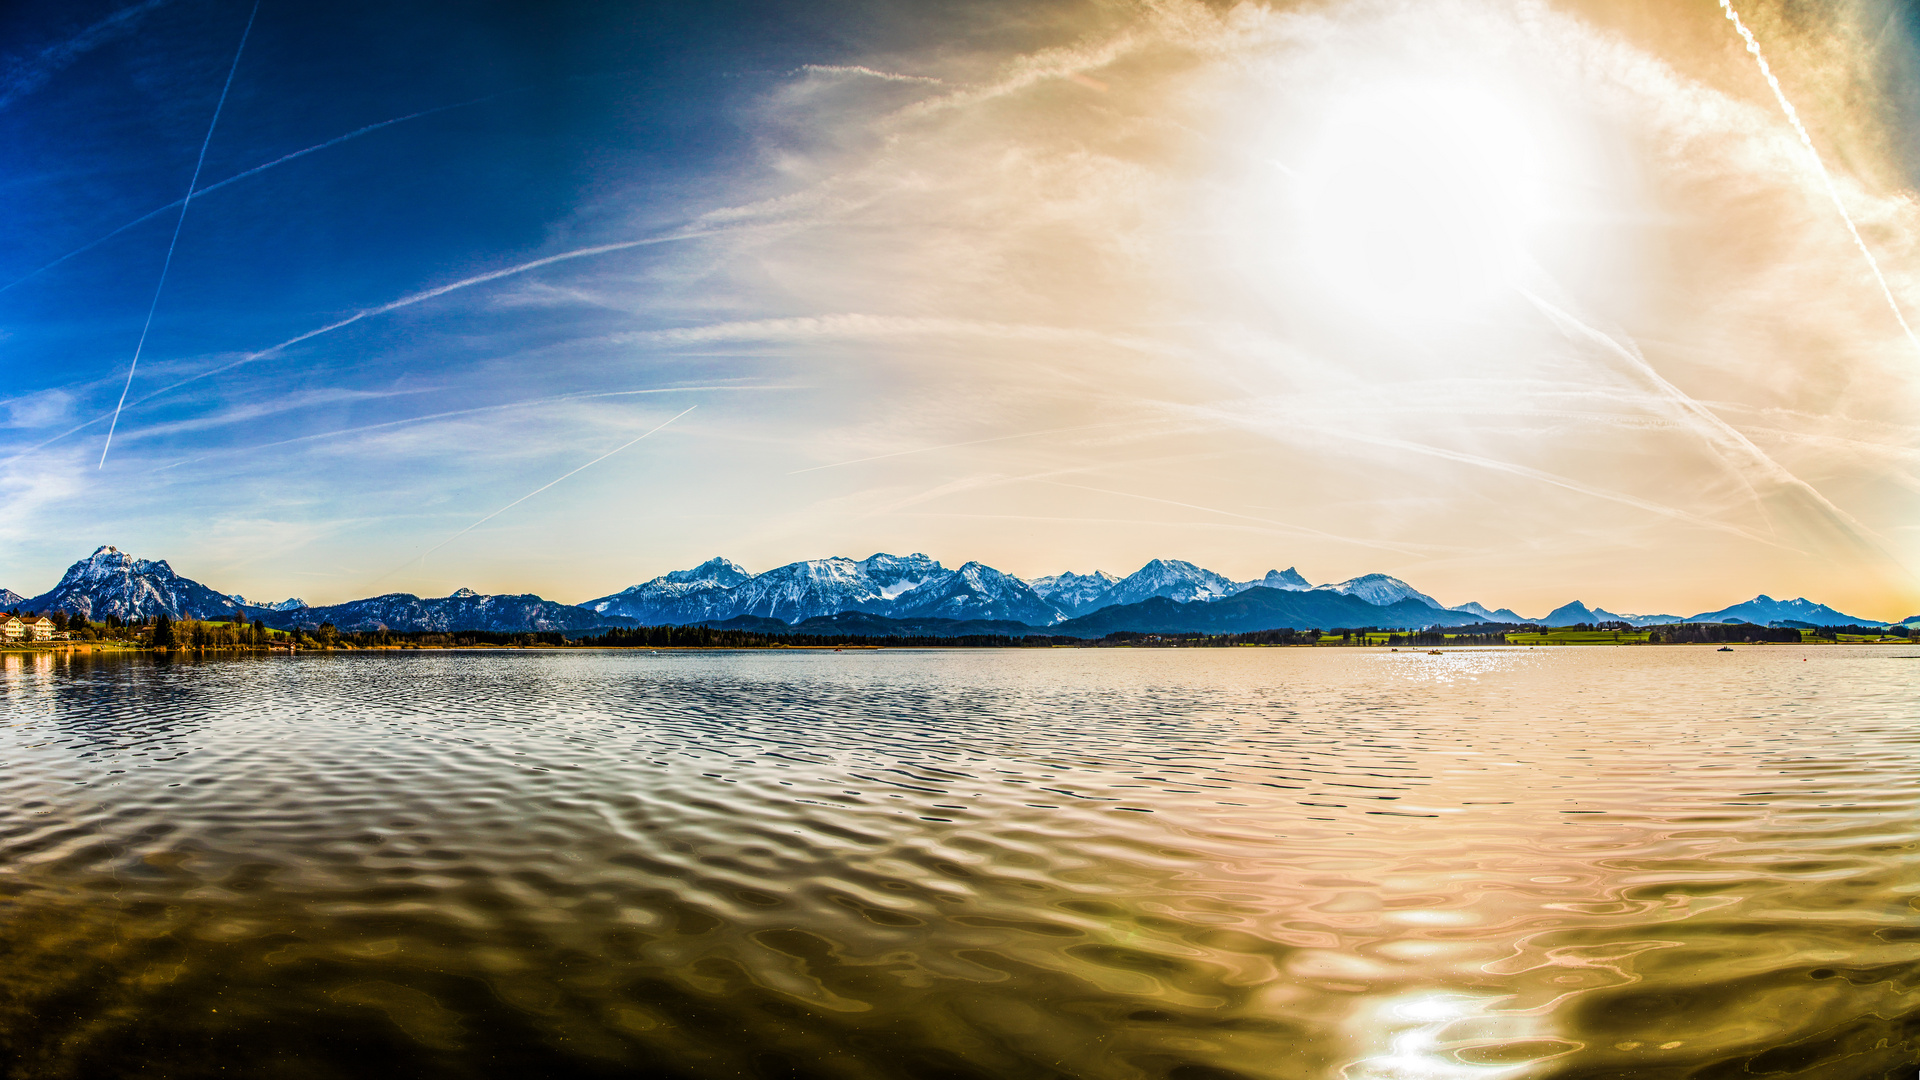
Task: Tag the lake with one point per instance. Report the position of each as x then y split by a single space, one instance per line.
1103 863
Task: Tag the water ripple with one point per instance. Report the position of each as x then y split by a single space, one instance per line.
1195 864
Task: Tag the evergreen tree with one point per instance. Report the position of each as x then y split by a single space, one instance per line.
163 633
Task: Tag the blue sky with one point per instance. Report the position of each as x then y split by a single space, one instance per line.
1517 301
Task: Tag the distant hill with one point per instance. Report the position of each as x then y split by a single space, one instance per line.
10 599
463 610
1499 615
1260 608
863 624
1576 613
1257 608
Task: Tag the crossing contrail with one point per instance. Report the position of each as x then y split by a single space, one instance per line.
405 301
1793 117
182 220
423 555
216 186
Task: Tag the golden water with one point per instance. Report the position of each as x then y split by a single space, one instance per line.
1193 864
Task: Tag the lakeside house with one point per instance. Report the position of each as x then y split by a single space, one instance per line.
25 628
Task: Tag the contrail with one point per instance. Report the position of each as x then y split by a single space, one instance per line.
1727 440
428 294
281 160
182 220
405 421
404 301
529 495
1793 117
1557 481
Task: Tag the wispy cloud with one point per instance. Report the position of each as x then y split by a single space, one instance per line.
21 75
867 72
544 487
884 326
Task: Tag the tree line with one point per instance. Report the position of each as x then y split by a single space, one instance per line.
164 632
1722 633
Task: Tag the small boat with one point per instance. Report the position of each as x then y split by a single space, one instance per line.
1724 648
1435 652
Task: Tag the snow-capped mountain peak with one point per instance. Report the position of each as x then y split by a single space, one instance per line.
1075 594
894 575
976 591
1381 589
718 570
111 582
716 575
291 603
1174 579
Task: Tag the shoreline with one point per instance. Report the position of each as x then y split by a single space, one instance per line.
118 648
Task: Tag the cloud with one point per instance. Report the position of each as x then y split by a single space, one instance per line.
30 488
40 410
21 75
1043 253
857 326
1136 263
867 72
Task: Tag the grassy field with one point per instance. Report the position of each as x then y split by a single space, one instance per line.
1580 637
74 646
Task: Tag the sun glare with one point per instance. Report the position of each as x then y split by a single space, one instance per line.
1419 199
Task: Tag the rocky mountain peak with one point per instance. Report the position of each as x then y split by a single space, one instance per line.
1381 589
111 582
1282 579
1175 579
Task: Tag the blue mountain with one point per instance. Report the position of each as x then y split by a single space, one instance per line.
1764 610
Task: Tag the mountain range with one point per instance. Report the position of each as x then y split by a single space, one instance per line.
882 594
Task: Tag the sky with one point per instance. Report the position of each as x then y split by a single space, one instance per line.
1520 301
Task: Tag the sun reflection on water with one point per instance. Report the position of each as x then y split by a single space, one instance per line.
1442 1035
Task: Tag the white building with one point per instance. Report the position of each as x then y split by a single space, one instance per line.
25 628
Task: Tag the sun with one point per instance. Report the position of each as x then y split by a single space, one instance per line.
1419 198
